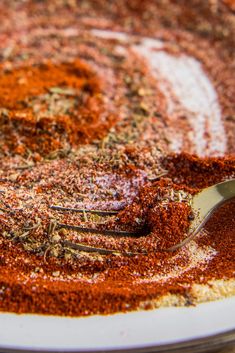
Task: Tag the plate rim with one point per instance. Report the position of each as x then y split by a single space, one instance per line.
205 338
215 341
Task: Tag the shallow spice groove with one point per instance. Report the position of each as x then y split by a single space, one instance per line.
126 109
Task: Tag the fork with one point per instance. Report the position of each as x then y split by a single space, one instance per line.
203 205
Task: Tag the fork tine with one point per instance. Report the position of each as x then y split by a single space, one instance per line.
98 231
102 251
81 210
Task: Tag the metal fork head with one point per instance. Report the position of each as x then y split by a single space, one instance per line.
203 205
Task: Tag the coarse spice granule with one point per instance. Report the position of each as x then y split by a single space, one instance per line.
114 106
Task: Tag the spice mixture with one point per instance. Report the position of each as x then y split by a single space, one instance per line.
49 107
127 109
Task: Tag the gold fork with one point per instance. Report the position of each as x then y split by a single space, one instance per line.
203 205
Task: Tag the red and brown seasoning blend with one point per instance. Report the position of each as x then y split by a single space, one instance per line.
114 106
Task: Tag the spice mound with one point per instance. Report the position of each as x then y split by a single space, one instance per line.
50 107
112 116
161 212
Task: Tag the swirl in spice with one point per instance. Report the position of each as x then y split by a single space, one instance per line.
109 114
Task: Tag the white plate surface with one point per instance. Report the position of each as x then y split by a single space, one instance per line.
119 331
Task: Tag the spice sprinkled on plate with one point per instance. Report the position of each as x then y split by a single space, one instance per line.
128 111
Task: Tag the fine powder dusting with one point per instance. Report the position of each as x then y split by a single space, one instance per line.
194 94
196 257
188 91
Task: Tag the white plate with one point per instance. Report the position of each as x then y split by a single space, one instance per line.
150 330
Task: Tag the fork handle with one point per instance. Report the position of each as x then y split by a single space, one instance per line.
226 189
204 204
208 200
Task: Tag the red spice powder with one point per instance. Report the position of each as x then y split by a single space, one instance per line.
160 212
50 107
83 284
198 173
61 102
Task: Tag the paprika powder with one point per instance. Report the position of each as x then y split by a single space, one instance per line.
92 118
